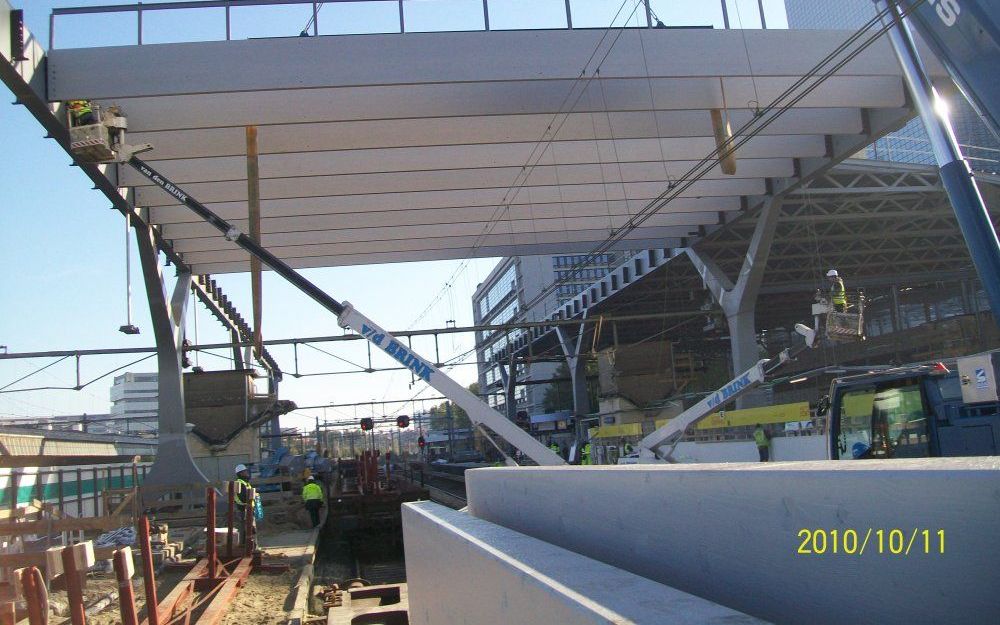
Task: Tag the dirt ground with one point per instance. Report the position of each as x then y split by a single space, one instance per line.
99 586
262 601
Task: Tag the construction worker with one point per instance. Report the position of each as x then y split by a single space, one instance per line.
838 294
80 112
312 495
554 446
242 490
763 440
585 454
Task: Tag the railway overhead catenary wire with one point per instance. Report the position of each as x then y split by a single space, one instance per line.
760 121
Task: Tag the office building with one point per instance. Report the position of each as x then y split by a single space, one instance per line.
910 143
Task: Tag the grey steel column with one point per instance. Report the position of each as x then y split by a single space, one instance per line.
966 201
173 464
571 346
739 301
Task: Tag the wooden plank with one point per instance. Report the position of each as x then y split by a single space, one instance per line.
64 525
13 462
37 558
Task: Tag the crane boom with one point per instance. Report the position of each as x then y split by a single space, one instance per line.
673 430
349 318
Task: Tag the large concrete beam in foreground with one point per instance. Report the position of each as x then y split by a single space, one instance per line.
733 533
465 570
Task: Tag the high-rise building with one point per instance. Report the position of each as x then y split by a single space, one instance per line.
135 401
516 290
910 143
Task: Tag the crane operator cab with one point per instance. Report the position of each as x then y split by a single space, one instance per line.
97 134
916 412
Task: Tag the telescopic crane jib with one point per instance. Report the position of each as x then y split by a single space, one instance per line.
103 140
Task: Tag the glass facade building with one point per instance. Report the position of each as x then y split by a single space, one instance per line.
910 143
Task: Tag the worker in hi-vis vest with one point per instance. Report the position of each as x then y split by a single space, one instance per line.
312 495
81 112
838 294
763 440
242 493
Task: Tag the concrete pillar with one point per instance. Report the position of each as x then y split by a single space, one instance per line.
739 301
173 464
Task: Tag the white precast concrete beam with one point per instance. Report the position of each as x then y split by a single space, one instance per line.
324 186
415 101
317 207
731 533
492 251
459 158
453 57
349 244
295 167
461 569
386 133
314 230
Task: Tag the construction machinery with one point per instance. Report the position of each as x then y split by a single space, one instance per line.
917 411
108 144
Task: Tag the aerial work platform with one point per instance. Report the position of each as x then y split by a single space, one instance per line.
422 146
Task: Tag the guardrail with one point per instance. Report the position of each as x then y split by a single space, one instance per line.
640 8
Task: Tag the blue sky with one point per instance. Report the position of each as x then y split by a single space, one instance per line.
62 250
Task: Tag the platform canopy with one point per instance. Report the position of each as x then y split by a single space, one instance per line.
407 147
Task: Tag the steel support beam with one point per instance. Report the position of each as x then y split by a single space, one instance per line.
173 464
572 344
738 301
966 200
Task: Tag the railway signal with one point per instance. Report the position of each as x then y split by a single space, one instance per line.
367 424
402 421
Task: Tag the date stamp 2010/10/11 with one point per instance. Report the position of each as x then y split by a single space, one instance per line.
889 541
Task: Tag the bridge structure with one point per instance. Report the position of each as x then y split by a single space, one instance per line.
422 146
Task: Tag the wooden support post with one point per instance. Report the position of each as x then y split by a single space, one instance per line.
73 570
230 518
253 205
124 568
213 562
31 584
148 575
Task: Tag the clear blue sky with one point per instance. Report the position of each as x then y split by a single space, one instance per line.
62 252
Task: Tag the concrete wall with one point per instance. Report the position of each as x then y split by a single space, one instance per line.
730 533
465 570
782 449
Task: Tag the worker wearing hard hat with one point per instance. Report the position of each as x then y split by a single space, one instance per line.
243 488
80 112
838 294
312 495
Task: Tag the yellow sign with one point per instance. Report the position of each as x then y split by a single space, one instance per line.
617 431
782 413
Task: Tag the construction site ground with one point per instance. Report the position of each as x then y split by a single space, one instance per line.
267 598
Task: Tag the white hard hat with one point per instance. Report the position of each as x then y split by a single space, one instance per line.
832 273
240 468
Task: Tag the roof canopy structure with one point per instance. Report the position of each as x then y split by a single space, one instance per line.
424 146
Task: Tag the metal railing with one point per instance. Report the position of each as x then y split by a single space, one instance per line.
227 5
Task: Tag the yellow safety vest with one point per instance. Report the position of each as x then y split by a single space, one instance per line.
838 293
80 108
585 456
245 484
760 437
312 491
